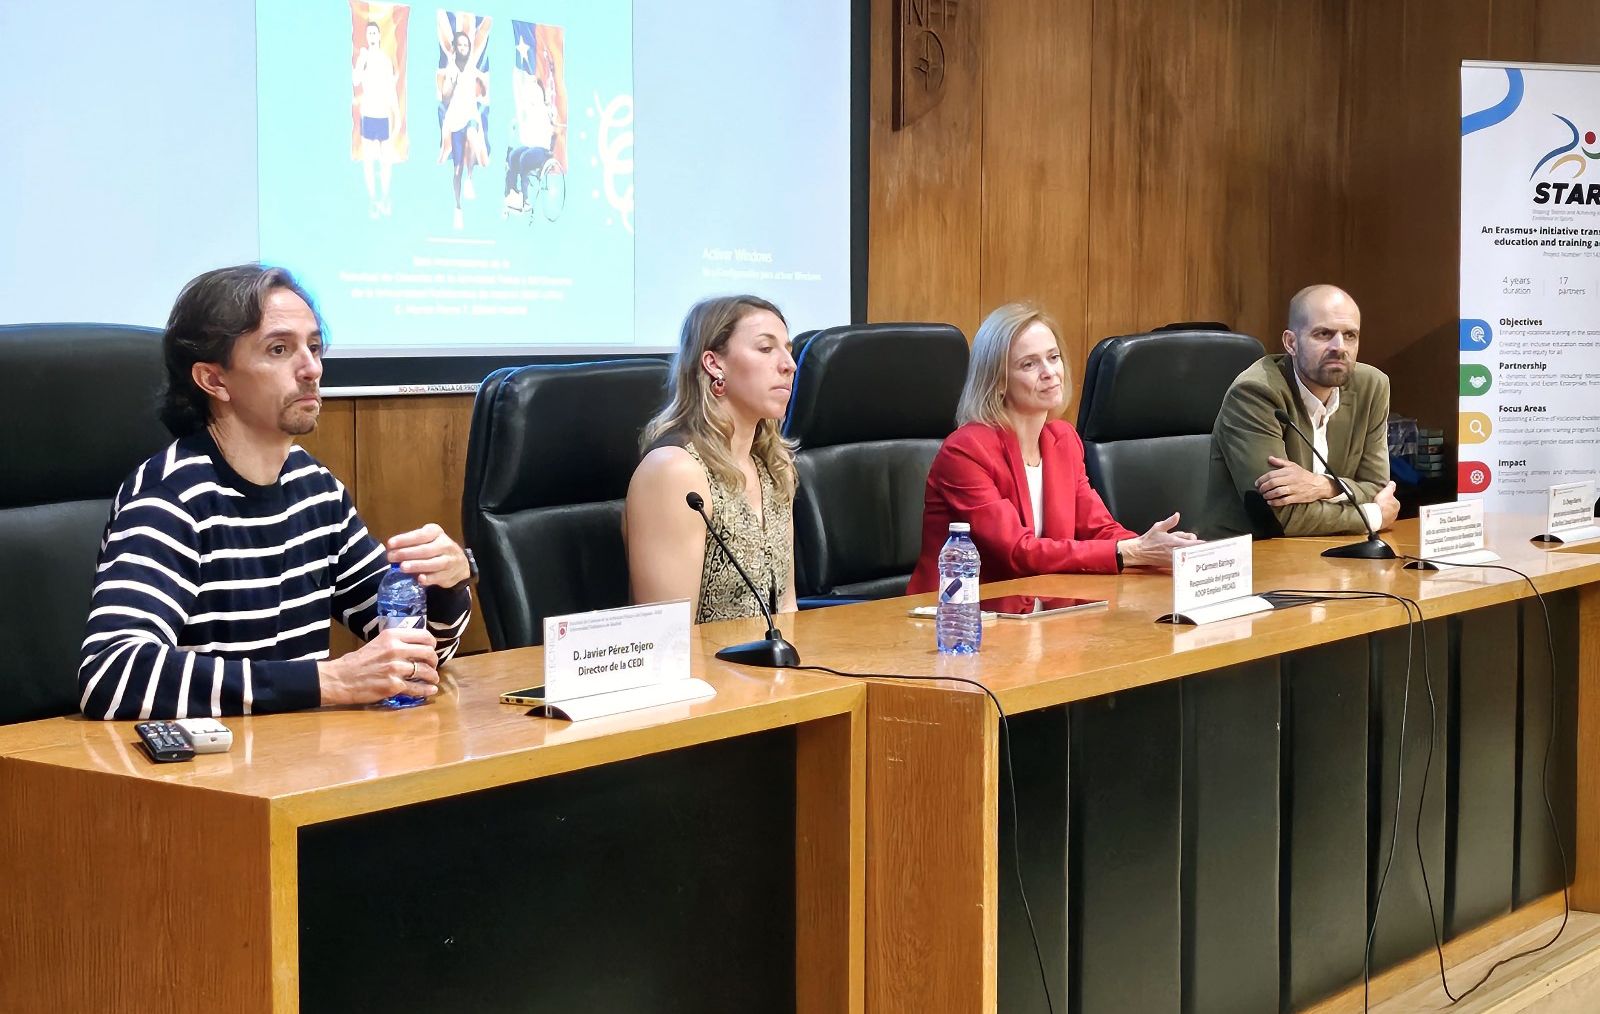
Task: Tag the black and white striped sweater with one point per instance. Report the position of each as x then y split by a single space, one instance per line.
214 596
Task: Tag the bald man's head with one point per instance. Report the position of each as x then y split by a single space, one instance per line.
1324 335
1310 301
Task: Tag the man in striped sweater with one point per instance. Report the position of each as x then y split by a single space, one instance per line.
229 553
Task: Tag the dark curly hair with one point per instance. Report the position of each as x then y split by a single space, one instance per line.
212 312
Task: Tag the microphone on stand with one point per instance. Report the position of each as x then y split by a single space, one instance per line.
772 651
1373 548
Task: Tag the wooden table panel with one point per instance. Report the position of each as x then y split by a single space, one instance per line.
830 850
102 867
933 804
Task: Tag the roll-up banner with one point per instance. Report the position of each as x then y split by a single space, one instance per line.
1530 282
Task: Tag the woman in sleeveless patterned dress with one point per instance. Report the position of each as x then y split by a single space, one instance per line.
718 437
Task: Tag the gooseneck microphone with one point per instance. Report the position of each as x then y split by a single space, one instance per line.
1373 548
772 651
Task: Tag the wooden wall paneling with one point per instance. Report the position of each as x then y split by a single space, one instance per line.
410 469
1224 141
1221 155
1405 168
1380 238
1141 89
1438 37
1568 31
1179 203
1035 164
926 185
1308 127
1514 31
333 443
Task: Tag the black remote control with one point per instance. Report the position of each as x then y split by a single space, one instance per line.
165 742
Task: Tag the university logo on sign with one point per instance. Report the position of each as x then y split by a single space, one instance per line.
924 37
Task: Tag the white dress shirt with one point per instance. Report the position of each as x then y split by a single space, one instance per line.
1320 414
1035 475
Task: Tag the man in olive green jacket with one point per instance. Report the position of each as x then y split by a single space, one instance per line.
1263 479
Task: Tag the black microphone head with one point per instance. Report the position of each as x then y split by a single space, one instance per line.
1281 416
695 501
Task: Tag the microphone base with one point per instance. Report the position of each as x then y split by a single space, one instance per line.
1373 548
767 653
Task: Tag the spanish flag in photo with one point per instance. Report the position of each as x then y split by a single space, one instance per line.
378 76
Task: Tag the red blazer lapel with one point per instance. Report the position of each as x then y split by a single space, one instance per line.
1012 449
1060 515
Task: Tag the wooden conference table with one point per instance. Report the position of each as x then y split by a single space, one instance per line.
1202 814
454 857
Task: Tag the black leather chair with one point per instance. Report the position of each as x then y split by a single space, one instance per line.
80 403
549 457
871 405
1149 402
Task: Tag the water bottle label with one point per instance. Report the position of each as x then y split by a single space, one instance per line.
414 622
960 591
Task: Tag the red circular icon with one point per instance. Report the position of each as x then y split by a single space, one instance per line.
1472 477
1588 138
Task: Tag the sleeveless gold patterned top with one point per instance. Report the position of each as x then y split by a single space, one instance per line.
762 545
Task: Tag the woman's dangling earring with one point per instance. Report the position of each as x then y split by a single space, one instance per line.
719 386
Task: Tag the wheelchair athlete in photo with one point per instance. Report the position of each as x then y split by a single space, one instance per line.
535 184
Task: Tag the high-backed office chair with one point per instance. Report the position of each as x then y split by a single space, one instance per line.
81 408
1149 402
549 456
871 405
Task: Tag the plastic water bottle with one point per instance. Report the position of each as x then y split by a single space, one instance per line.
401 603
959 624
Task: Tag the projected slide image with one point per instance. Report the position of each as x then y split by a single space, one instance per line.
378 105
536 161
462 85
483 214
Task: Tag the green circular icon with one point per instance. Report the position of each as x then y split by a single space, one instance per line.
1475 379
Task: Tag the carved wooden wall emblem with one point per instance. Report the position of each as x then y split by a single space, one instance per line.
924 37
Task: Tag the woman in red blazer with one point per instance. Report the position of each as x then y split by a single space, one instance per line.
1010 462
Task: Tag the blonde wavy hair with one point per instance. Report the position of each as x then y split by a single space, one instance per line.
695 415
983 398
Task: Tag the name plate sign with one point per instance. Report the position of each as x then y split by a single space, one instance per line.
615 660
1214 581
1570 517
1452 533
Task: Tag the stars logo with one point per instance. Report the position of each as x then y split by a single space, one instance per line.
1568 153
